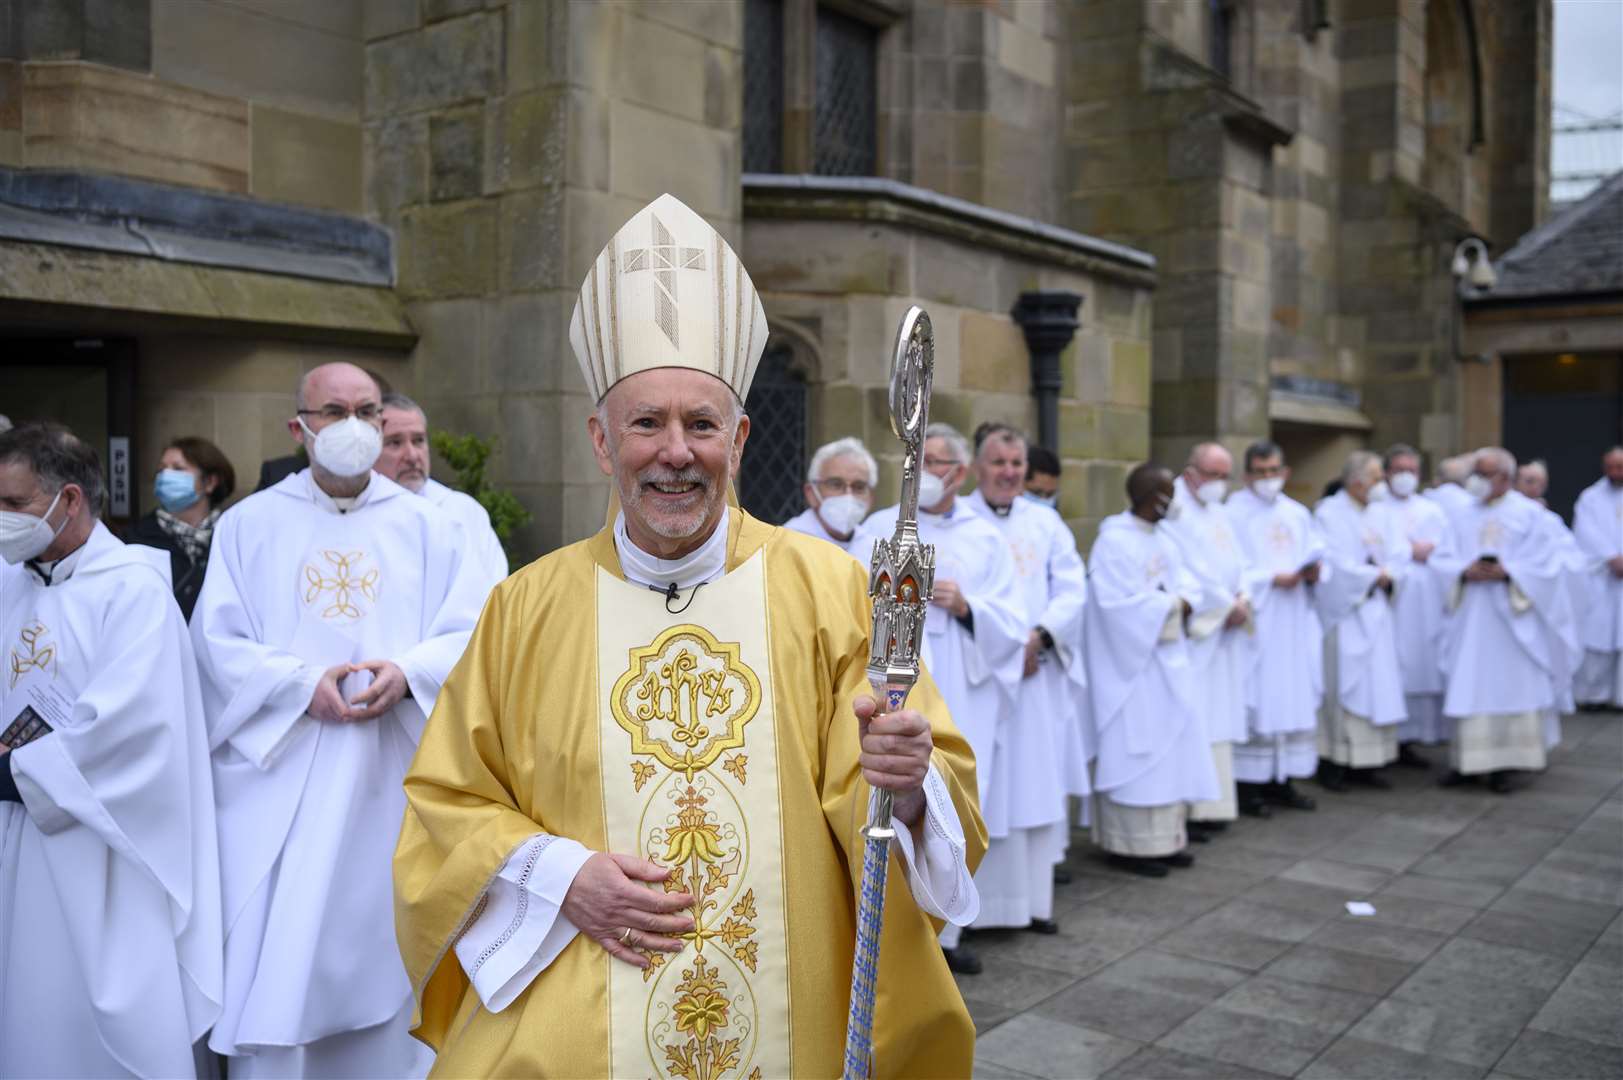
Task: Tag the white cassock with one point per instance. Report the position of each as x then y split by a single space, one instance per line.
1153 754
1597 522
1418 607
1364 701
1508 649
488 555
309 811
1286 685
1452 499
809 523
1222 656
109 874
1044 735
978 674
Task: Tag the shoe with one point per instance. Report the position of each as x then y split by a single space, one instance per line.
1062 874
1256 808
1331 777
1181 859
961 961
1455 778
1141 867
1285 794
1369 778
1043 926
1409 759
1198 832
1499 782
1215 826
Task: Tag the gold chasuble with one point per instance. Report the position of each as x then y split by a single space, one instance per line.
718 741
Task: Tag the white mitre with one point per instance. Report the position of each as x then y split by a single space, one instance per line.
667 291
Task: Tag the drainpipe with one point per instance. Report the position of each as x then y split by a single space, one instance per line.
1049 321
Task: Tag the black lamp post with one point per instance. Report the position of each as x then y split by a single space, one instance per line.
1049 321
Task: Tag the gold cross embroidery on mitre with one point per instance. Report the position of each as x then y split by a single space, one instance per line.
664 258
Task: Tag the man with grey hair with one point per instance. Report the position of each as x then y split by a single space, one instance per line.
1363 700
405 460
975 634
109 861
1597 522
1450 493
839 493
1417 604
1510 643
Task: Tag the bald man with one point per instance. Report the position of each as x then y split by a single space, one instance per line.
336 603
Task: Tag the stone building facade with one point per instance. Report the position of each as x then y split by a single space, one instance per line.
201 198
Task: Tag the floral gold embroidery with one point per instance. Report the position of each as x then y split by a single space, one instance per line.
702 1008
736 765
641 773
346 584
34 652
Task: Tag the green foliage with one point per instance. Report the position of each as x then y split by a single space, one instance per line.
467 454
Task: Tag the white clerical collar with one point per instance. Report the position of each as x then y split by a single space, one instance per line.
337 504
705 563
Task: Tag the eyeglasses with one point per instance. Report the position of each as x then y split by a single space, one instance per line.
833 485
369 412
940 462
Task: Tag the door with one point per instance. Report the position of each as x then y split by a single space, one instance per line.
1566 410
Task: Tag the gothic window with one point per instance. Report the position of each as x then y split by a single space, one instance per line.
774 464
763 86
846 116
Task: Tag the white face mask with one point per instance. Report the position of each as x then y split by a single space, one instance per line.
1050 501
1479 487
1212 491
1379 493
842 513
24 536
1268 489
1171 511
931 490
347 448
1404 484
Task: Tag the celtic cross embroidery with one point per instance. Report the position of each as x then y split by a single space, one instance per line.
345 584
664 257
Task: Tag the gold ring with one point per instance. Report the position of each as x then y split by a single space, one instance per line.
625 938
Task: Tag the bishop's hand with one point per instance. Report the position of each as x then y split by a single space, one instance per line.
610 902
895 756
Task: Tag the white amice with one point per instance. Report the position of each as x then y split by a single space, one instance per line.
110 927
309 810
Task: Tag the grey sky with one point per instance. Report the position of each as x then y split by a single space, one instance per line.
1589 78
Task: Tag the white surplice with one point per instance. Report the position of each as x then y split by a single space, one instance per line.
109 875
809 523
1508 648
978 672
1153 751
1044 735
1364 701
1286 685
521 928
309 811
1222 656
486 549
1597 523
1451 499
1418 607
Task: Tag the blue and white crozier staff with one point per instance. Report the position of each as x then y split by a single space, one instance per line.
900 577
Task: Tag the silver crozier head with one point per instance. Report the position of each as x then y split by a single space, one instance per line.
902 572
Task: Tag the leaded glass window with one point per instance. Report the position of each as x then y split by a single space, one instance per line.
763 86
774 464
845 124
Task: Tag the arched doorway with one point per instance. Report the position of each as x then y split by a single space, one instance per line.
773 470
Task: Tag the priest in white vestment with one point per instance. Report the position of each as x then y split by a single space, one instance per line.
1597 522
109 874
1044 736
1532 480
1418 603
975 636
1365 557
335 605
839 494
1510 644
1222 630
1154 757
405 459
1284 553
1449 493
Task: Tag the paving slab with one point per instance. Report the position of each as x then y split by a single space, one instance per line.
1540 935
1419 886
1128 1012
1321 1007
1358 881
1584 914
1373 938
1159 1063
1042 1046
1356 1059
1254 1042
1432 1029
1342 970
1538 1055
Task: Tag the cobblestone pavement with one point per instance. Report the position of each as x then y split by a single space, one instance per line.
1496 948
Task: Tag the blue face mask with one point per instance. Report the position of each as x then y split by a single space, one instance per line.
1050 501
176 489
